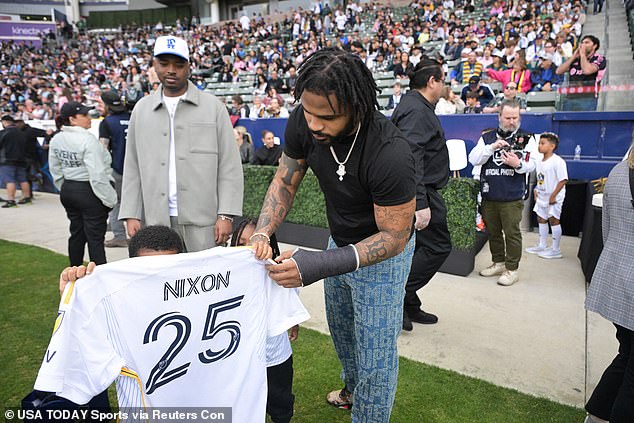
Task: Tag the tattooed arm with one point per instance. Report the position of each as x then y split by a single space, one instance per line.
277 202
395 228
302 267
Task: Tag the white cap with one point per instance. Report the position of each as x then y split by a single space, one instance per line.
168 44
546 56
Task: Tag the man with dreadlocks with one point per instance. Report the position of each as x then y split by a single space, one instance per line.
366 170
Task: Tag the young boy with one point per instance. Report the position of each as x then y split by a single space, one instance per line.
150 241
161 240
472 106
550 191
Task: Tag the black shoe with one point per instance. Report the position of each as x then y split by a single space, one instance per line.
419 316
9 204
407 323
2 200
25 200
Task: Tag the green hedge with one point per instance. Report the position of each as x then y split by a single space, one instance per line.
309 207
461 199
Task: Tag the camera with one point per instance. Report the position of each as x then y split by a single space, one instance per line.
517 144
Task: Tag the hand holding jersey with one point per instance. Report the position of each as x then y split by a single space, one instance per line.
158 240
72 273
93 313
261 246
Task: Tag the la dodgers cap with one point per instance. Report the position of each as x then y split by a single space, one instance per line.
73 108
113 100
169 44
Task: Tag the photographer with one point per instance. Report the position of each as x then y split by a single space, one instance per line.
505 164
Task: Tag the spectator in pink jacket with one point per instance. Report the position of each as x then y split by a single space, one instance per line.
518 74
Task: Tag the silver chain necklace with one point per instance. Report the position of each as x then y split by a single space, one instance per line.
341 171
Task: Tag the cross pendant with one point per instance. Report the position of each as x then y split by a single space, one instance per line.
341 171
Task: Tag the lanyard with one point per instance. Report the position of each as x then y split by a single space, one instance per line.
519 84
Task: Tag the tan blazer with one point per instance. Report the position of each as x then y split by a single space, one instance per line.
208 167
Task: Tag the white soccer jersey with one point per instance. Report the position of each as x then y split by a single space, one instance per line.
192 327
549 173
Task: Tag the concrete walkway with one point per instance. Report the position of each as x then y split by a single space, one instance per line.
530 337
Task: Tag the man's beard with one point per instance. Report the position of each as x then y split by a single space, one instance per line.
340 138
505 132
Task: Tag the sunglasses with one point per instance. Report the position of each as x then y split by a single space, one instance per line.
511 87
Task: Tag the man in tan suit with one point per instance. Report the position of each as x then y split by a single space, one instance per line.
182 167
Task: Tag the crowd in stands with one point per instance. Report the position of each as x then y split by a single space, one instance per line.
496 41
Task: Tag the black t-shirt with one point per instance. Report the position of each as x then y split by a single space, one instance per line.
380 171
13 146
416 119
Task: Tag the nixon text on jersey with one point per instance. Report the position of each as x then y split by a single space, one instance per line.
181 288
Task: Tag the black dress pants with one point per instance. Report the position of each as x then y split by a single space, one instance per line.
280 398
88 222
433 245
613 398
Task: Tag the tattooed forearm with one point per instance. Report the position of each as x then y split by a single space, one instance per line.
280 194
395 226
293 170
376 249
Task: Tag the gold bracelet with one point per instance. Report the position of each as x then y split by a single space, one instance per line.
260 234
224 217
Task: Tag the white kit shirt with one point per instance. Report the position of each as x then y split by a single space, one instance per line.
549 173
341 20
171 103
182 330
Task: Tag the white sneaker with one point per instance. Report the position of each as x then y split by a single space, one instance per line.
508 278
536 249
550 254
493 270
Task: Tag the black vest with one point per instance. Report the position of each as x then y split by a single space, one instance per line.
499 182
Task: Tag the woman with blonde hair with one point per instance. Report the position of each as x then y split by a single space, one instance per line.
245 144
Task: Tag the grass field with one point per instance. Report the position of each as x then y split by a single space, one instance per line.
29 298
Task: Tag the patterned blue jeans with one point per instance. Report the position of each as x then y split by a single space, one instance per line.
365 316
